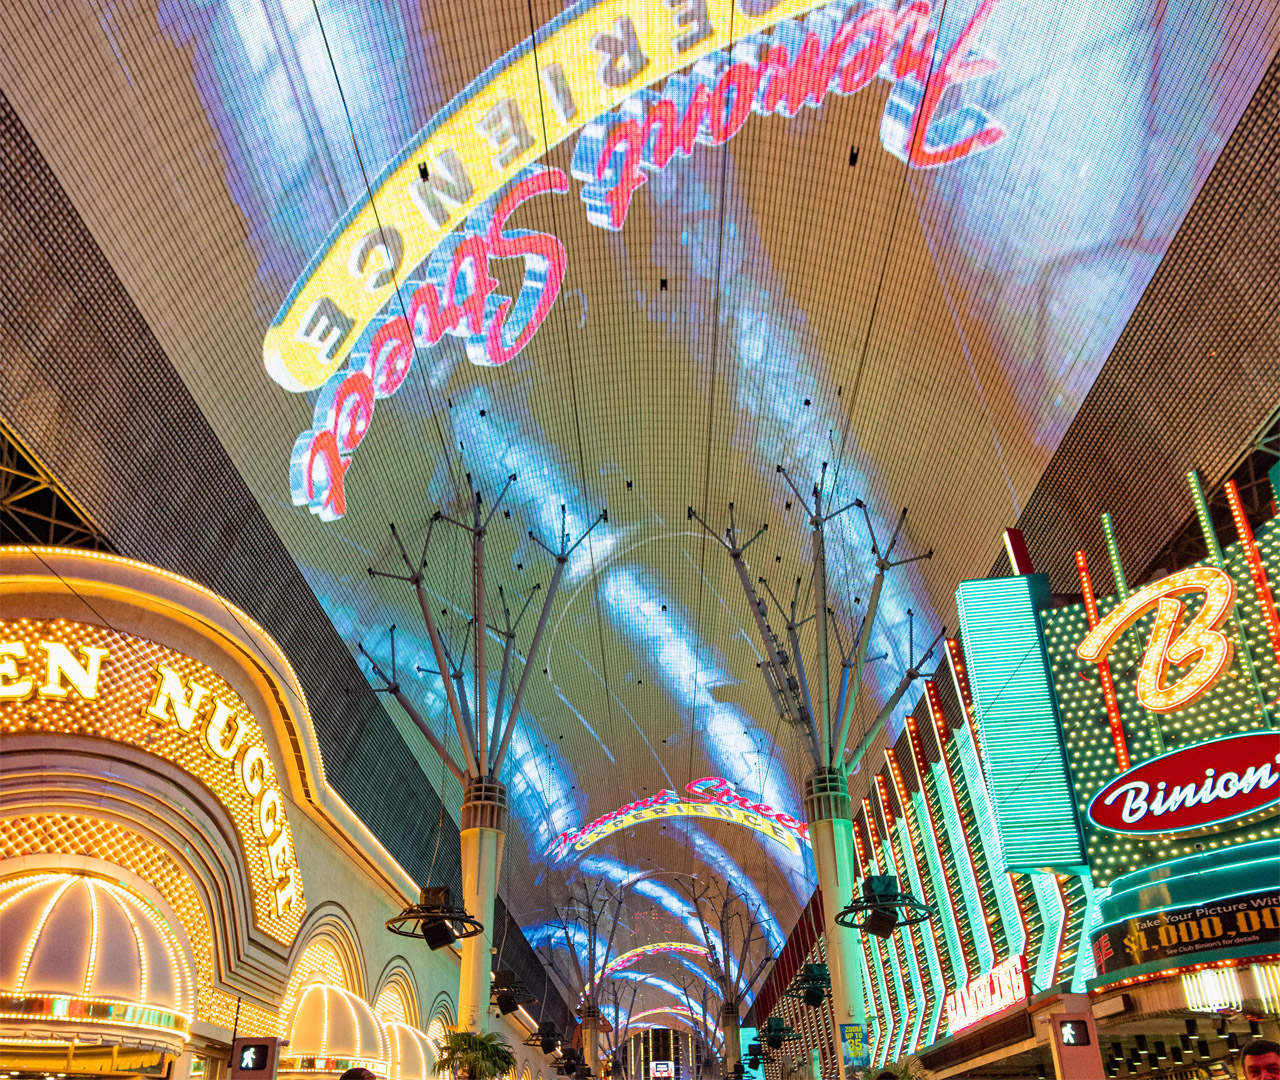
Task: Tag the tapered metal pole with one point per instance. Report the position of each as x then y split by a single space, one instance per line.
481 678
529 664
820 605
859 665
442 665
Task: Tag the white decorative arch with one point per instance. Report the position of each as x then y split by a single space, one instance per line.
333 925
396 996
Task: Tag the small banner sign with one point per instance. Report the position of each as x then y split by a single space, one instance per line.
1251 919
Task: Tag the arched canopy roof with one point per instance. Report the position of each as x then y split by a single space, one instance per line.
331 1030
914 289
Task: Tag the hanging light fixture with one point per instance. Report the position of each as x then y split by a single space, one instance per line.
812 985
435 919
883 908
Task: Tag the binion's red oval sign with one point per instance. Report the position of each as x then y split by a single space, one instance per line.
1193 788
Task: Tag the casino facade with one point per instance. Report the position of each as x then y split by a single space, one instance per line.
177 869
639 540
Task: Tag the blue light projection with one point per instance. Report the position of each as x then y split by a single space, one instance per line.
1035 252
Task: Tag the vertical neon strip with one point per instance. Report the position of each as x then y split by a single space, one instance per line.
960 679
1104 669
1024 929
911 945
1062 930
1049 900
1113 553
898 1029
987 961
1215 551
1261 587
885 1013
1085 967
1205 518
894 943
873 1016
957 951
933 948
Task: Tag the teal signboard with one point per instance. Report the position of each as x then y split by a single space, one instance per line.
1018 722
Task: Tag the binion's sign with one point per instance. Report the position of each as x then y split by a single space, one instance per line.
1193 788
421 266
989 993
1199 643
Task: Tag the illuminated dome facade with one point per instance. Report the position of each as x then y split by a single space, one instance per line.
332 1030
410 1057
85 960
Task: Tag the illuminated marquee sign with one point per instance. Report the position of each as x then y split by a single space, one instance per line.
74 678
986 995
1177 934
1193 788
1199 643
411 269
711 797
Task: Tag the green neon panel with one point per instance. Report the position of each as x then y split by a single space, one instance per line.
1026 763
958 964
1085 968
1051 911
873 998
938 986
989 846
917 939
972 900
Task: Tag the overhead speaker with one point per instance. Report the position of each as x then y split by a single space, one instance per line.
881 923
506 1003
437 933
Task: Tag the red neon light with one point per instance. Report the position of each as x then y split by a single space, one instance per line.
936 713
885 808
1104 668
872 833
1003 986
1261 587
344 410
716 789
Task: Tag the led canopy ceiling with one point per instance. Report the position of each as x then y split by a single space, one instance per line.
638 255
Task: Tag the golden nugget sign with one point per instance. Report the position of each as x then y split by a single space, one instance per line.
78 679
413 262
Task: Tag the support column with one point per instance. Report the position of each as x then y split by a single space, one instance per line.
729 1027
591 1039
484 824
827 807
